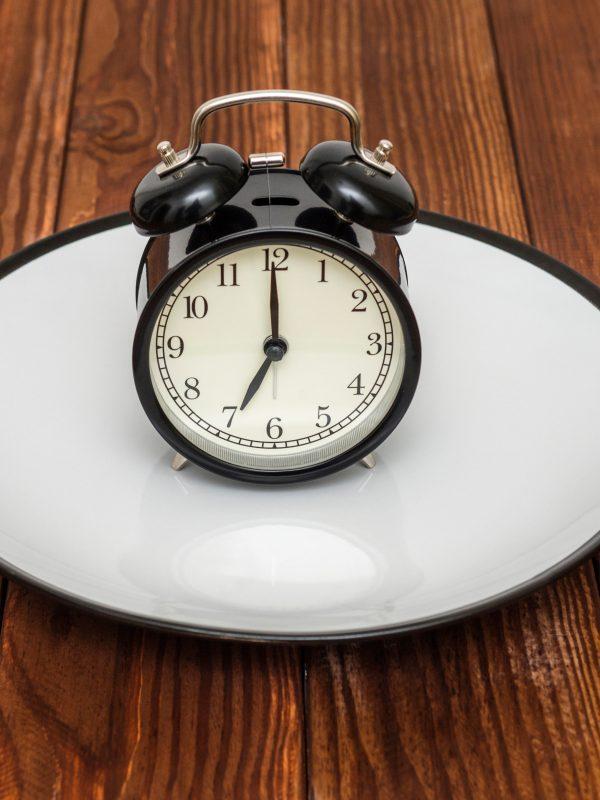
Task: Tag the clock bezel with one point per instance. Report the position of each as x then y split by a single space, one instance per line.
222 247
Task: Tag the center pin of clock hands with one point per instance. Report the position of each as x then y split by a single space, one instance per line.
274 348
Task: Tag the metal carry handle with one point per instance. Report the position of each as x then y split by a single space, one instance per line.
377 159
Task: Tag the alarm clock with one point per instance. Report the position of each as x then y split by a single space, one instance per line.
275 340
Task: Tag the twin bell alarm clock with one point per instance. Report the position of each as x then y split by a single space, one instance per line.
275 341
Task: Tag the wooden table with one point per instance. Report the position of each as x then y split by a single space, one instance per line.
494 112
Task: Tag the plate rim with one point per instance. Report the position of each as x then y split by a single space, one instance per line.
575 280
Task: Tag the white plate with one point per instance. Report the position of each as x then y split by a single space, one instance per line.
489 486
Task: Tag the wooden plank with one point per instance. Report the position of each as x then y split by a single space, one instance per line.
94 709
145 68
38 58
423 75
503 706
554 110
506 706
39 46
550 61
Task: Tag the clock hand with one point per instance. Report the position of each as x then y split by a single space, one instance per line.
274 309
256 382
275 351
274 305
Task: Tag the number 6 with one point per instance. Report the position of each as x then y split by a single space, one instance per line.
274 431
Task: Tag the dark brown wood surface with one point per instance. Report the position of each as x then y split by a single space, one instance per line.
493 107
40 41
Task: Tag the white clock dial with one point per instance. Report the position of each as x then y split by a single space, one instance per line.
337 379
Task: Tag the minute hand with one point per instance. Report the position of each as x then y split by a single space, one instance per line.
264 367
274 305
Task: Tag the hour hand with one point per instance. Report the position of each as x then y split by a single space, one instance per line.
256 382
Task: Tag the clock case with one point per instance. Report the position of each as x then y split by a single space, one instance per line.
272 205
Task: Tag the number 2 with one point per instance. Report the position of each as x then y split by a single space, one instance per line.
361 296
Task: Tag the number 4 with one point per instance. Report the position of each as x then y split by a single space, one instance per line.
357 384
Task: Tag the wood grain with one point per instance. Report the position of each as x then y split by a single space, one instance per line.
423 74
502 707
89 708
95 709
39 48
145 67
38 58
549 62
506 706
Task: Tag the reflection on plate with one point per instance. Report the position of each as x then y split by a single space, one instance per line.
289 550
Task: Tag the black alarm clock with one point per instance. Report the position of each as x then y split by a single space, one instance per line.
275 341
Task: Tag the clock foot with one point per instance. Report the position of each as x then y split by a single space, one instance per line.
368 461
178 462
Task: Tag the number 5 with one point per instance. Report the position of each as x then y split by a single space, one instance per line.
323 419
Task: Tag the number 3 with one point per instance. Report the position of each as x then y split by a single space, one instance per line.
375 339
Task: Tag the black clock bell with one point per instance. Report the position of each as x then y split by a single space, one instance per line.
275 342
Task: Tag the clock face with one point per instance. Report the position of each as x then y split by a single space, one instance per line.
277 356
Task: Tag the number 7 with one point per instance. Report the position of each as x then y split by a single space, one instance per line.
233 409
